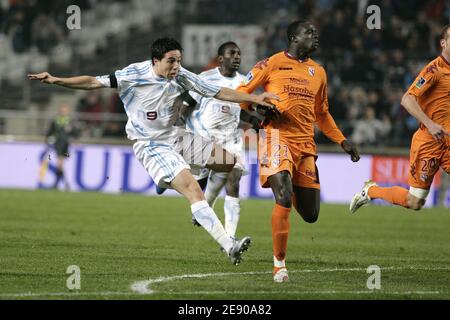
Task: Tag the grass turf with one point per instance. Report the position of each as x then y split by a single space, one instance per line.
117 240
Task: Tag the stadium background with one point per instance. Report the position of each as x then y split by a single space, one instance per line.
118 237
368 72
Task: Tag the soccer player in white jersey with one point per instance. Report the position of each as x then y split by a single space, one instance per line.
148 90
219 120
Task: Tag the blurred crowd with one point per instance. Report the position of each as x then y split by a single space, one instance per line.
35 23
100 115
368 70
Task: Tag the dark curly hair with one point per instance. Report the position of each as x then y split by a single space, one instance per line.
163 45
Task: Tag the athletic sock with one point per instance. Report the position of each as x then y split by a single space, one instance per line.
216 181
280 231
232 208
278 264
395 195
205 215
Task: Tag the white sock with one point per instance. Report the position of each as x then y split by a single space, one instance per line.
216 181
232 208
204 215
278 263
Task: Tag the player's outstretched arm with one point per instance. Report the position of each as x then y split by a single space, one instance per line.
80 82
409 102
242 97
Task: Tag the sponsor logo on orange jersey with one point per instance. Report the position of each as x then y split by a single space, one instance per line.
302 82
299 91
310 173
420 82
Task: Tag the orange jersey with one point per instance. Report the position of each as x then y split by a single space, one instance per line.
432 90
302 88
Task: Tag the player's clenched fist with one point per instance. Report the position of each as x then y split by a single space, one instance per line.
44 77
351 150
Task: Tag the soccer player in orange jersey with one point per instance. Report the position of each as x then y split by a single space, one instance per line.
287 151
428 100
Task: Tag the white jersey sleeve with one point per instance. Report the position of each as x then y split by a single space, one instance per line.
131 74
192 82
121 79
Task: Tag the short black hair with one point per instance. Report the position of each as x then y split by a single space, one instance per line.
163 45
223 46
444 32
293 27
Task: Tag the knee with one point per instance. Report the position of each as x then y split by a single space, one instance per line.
194 192
283 197
311 216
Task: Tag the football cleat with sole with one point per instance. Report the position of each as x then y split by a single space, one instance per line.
239 247
361 198
280 274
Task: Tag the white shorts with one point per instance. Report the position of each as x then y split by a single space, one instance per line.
164 161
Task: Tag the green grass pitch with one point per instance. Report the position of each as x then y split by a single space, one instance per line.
118 240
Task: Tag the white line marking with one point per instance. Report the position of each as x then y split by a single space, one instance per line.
142 287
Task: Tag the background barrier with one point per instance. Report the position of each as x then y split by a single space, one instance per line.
114 169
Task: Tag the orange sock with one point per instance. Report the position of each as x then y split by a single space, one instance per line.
395 195
280 230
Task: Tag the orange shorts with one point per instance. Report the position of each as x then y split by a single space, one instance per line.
277 154
425 158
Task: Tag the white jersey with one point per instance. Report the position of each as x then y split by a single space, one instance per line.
148 99
212 116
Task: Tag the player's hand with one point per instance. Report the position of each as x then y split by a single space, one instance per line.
351 150
437 131
269 114
44 77
264 98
